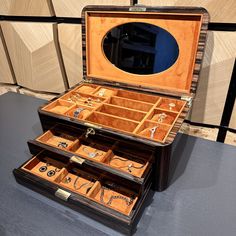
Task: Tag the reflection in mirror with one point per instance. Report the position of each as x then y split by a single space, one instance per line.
140 48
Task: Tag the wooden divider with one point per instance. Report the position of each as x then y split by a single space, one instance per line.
26 8
73 8
220 11
70 40
215 77
34 55
6 72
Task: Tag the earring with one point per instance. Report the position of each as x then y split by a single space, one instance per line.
52 172
44 168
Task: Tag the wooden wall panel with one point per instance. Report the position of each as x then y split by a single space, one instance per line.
33 55
73 8
215 77
220 10
25 7
6 75
70 40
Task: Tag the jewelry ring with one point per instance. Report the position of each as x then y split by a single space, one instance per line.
62 144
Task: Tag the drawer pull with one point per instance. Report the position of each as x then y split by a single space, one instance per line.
62 194
77 160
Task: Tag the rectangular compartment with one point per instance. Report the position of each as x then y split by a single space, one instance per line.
79 112
128 163
87 89
160 116
173 105
83 99
59 106
105 92
137 96
58 139
122 112
112 121
124 102
160 134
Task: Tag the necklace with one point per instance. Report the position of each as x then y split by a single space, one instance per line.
129 166
82 185
127 200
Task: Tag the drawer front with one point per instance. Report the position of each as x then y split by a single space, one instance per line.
126 160
101 196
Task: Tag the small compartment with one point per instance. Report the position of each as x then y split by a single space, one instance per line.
90 150
59 106
57 139
83 99
95 186
161 116
122 112
137 96
88 89
78 181
113 122
127 162
79 112
44 167
105 92
124 102
114 196
171 104
153 131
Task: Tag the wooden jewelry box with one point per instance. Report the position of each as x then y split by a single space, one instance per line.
107 140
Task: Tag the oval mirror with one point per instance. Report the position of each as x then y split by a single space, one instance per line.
140 48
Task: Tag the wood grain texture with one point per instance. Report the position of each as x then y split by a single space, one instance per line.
73 8
220 11
215 77
70 40
25 8
33 54
6 74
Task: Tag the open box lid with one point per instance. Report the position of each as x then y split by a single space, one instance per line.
159 50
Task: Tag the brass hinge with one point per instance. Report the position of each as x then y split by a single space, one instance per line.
89 81
138 8
188 99
77 160
62 194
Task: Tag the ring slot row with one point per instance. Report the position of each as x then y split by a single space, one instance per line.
100 150
118 109
90 185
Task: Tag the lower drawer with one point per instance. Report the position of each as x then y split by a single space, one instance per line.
107 199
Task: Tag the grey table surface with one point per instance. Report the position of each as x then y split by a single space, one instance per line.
200 201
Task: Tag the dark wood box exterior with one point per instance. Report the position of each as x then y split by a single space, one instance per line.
162 162
162 151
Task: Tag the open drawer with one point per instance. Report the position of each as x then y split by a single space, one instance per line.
84 188
116 157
